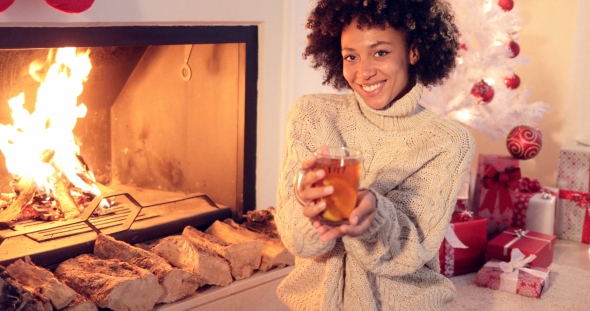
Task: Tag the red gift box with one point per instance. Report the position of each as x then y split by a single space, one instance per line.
496 182
471 231
529 242
515 276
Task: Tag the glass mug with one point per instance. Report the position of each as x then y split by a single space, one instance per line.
343 170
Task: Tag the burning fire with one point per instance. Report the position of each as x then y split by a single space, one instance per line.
40 146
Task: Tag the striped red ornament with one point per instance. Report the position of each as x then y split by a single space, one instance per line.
524 142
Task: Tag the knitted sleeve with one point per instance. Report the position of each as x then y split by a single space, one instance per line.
296 231
411 219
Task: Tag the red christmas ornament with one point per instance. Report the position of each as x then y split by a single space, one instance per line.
514 49
524 142
512 82
506 5
5 4
482 93
70 6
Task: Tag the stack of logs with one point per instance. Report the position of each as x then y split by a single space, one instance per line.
120 276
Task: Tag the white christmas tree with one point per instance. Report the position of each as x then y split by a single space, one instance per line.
483 92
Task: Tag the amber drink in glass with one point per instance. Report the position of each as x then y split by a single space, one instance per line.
343 170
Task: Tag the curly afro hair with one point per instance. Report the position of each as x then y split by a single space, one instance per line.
428 25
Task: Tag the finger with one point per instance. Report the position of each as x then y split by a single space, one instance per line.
315 193
322 229
357 230
361 225
315 221
312 209
309 162
362 216
365 207
331 234
312 177
323 150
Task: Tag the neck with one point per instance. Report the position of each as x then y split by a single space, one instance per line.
411 83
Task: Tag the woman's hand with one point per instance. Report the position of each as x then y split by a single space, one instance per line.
360 220
311 194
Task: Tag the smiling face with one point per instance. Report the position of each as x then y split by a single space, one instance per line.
377 63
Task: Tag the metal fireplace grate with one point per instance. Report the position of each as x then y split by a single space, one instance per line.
129 221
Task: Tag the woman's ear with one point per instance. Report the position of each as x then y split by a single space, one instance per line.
414 54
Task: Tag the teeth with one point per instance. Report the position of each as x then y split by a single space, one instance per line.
370 88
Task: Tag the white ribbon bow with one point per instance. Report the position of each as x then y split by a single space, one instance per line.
517 261
452 238
509 279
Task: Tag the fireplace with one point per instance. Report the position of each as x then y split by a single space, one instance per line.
171 124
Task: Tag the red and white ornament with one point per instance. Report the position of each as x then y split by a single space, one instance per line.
506 5
70 6
5 4
482 93
514 49
524 142
512 82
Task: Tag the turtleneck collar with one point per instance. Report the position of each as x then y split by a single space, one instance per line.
403 114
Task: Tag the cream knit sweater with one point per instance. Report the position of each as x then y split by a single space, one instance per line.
413 162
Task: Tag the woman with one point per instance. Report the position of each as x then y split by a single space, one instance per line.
387 257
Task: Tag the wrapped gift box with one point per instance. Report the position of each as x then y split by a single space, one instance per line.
573 208
496 182
471 231
534 207
529 242
526 281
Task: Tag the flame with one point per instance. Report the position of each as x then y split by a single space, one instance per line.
41 144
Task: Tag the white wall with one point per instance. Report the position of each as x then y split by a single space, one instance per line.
300 77
579 109
267 14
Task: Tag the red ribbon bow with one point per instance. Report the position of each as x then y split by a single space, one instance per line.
499 185
582 199
529 185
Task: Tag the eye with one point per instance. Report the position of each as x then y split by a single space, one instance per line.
349 58
381 53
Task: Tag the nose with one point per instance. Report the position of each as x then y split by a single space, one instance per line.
365 69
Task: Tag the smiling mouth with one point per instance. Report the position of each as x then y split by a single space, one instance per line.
370 88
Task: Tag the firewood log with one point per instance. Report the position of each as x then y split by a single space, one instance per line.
110 283
66 203
42 281
26 188
14 297
80 303
181 253
43 300
177 283
262 221
274 253
263 215
243 258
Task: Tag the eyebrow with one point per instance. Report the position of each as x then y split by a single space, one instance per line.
374 45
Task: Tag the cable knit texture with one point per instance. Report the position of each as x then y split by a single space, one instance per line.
413 162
